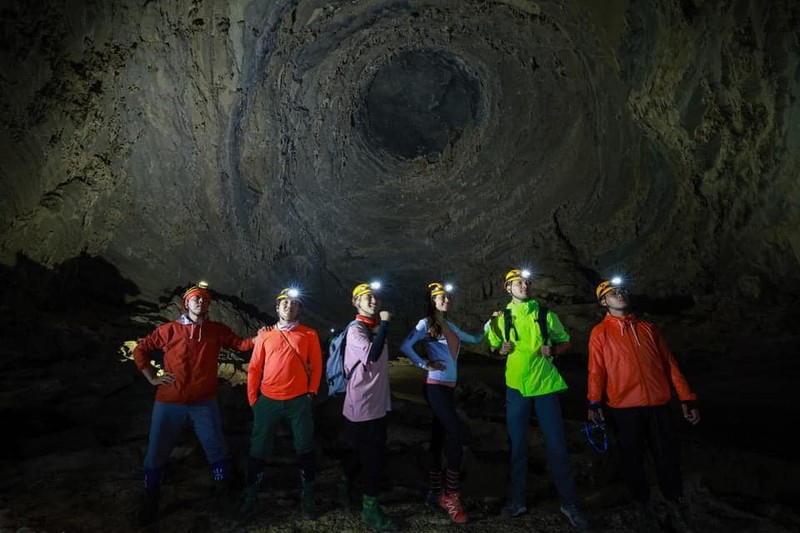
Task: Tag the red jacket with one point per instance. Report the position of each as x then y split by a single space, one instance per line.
285 364
631 363
191 354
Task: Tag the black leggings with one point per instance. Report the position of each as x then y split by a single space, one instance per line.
368 455
446 428
639 428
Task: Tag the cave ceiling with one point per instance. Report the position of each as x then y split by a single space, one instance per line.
260 144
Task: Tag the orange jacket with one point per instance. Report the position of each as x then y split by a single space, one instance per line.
191 354
285 364
631 363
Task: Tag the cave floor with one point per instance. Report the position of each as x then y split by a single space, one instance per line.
92 482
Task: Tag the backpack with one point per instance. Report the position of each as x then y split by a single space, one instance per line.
541 320
334 367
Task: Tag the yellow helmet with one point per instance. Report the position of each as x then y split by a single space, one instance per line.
365 288
289 293
436 288
516 273
607 286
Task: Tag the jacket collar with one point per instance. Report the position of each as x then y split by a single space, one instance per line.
524 308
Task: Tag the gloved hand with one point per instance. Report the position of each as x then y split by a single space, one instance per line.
690 412
595 413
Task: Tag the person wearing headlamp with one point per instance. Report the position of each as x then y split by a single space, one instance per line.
633 370
282 379
442 341
366 403
533 382
186 391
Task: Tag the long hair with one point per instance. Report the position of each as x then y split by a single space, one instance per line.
434 326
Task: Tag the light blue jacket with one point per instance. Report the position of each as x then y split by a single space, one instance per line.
437 349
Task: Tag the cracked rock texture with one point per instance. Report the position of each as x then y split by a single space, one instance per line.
256 144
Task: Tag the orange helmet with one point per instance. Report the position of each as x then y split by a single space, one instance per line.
201 289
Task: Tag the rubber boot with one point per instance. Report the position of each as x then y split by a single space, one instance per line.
373 517
343 492
308 509
647 522
221 497
678 514
148 507
249 498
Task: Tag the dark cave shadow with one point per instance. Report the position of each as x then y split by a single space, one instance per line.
61 329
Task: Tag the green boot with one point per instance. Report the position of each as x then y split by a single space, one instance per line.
248 501
307 506
343 492
372 516
249 498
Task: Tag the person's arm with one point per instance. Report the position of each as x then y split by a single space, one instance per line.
463 336
597 377
255 369
154 341
233 342
314 363
416 335
497 343
378 340
560 341
557 349
688 398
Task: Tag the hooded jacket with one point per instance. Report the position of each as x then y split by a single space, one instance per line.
630 362
527 370
285 364
191 354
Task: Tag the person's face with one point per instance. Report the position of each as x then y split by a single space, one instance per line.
520 289
616 299
196 305
288 309
368 304
442 302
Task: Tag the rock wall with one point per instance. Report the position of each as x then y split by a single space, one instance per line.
256 144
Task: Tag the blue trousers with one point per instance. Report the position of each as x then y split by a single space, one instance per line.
548 411
168 421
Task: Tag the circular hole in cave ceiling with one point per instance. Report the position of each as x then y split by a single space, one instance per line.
421 102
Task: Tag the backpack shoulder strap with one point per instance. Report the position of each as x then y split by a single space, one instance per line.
507 324
542 319
363 325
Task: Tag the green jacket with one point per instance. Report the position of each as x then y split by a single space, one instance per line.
527 370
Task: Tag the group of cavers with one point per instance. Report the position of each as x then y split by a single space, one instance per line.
632 379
